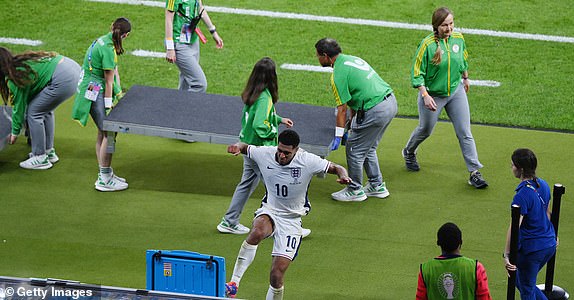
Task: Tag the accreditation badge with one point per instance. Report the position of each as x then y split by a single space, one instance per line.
455 48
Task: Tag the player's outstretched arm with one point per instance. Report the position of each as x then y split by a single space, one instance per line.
237 148
339 171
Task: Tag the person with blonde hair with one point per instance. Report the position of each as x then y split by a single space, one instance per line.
36 82
439 65
98 88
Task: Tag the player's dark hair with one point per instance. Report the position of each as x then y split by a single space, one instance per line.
120 27
439 15
525 160
289 137
328 46
263 76
14 69
449 237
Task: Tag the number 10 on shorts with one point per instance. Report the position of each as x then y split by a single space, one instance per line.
291 243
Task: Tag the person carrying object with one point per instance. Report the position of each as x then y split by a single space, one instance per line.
99 87
356 85
259 127
36 82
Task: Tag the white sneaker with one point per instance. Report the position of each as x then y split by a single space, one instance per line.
36 162
225 227
305 232
348 195
52 157
376 191
118 178
111 185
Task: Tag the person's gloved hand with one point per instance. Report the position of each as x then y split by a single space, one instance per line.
335 143
339 132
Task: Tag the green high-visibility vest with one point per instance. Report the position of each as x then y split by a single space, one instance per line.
450 278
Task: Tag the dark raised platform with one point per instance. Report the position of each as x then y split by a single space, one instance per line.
5 125
210 118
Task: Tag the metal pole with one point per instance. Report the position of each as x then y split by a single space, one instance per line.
510 291
555 217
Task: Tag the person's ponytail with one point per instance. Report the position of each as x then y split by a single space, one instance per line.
120 27
437 58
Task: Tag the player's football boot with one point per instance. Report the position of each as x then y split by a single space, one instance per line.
231 289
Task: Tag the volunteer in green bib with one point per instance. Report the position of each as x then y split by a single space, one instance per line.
439 66
451 275
259 127
182 41
99 88
36 82
372 105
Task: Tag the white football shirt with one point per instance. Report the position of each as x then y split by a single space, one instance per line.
287 186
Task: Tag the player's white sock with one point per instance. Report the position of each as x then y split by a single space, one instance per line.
244 259
275 294
106 173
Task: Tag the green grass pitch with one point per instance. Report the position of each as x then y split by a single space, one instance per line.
54 224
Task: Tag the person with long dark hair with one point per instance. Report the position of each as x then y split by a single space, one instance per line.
36 82
98 88
536 237
439 66
259 127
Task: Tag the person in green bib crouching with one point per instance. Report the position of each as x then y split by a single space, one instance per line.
451 275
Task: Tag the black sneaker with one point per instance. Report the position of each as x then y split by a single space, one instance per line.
411 161
477 181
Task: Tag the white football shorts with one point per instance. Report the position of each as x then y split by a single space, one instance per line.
287 234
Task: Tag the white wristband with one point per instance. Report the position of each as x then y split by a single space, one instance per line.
108 102
339 131
169 45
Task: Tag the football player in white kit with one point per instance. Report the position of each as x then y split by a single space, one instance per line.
287 172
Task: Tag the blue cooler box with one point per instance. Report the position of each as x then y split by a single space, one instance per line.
185 272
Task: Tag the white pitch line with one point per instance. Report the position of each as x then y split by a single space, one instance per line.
145 53
296 67
310 68
18 41
378 23
489 83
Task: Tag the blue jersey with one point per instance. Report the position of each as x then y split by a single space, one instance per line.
536 230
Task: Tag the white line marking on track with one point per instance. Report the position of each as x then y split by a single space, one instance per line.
18 41
296 67
378 23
